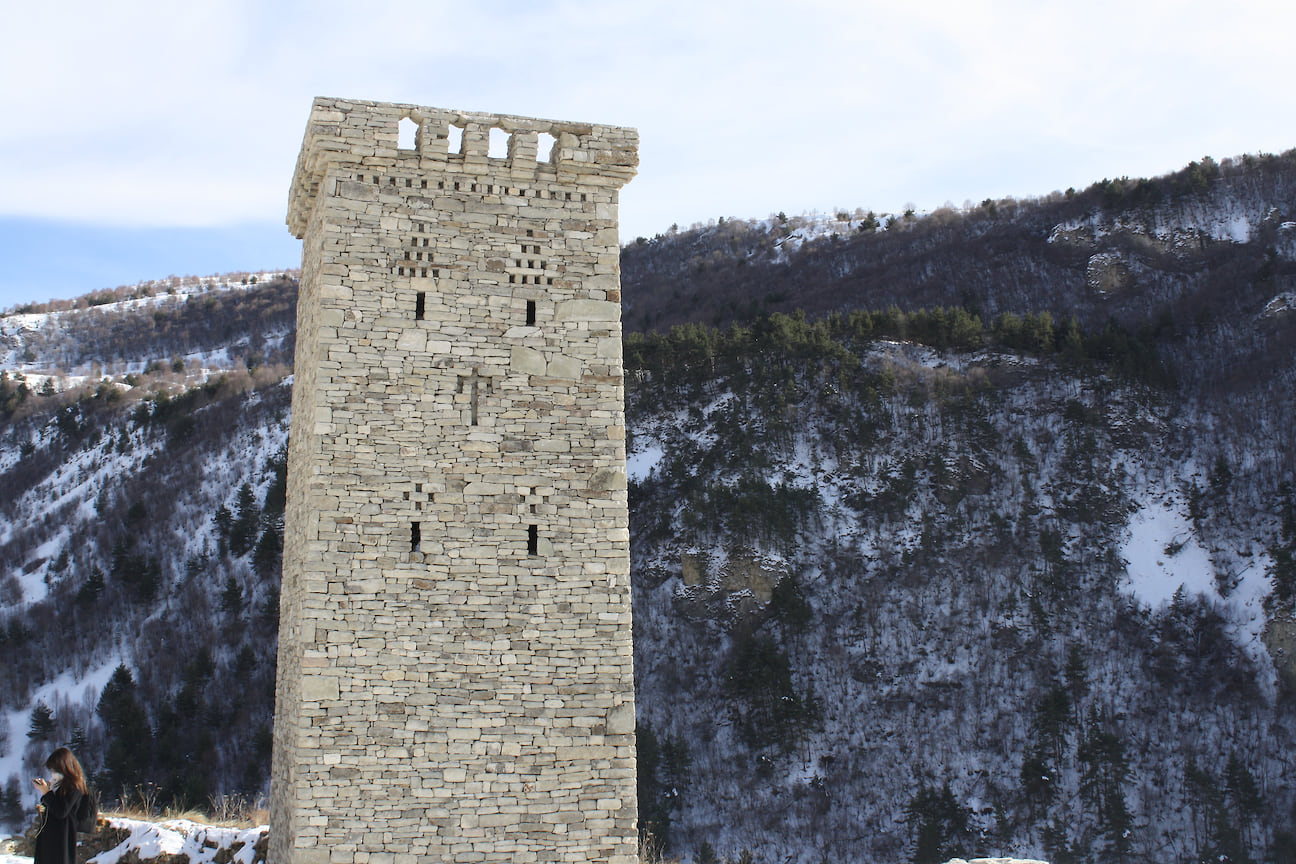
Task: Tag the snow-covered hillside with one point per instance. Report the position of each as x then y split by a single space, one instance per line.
111 530
958 540
996 559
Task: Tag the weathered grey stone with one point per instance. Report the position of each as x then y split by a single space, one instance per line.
587 310
456 476
527 361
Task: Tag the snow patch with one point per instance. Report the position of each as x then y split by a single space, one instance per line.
639 466
201 844
1162 555
1280 305
1237 229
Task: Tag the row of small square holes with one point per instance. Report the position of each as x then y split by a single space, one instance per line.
422 228
417 242
488 189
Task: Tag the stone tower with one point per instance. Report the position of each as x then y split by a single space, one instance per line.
455 674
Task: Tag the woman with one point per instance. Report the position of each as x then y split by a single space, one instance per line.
60 795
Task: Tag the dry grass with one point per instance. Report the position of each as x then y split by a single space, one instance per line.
225 811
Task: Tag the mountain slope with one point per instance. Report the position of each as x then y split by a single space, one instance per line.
906 571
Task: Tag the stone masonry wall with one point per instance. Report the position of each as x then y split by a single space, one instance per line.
455 674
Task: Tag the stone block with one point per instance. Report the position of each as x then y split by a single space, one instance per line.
526 361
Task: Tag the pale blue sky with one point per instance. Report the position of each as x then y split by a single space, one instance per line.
144 139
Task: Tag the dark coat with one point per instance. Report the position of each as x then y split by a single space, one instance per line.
56 842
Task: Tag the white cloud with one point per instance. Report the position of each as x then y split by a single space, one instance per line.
152 113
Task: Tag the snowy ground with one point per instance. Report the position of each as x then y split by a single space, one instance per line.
202 844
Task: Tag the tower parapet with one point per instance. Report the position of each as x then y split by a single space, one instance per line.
455 668
343 133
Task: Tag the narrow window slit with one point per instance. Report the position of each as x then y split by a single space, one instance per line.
420 304
533 539
531 309
416 536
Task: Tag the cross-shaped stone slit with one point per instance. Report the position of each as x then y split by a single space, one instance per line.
476 384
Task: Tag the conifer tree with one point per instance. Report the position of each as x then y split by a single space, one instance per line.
269 549
92 589
939 824
125 756
247 518
1104 770
42 723
232 597
11 804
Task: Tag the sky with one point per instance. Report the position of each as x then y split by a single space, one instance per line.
146 139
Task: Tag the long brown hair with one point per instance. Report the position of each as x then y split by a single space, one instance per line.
62 761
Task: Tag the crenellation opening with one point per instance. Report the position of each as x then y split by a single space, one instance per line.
407 134
499 142
455 140
544 147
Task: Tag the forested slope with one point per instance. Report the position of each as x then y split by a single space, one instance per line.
988 550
